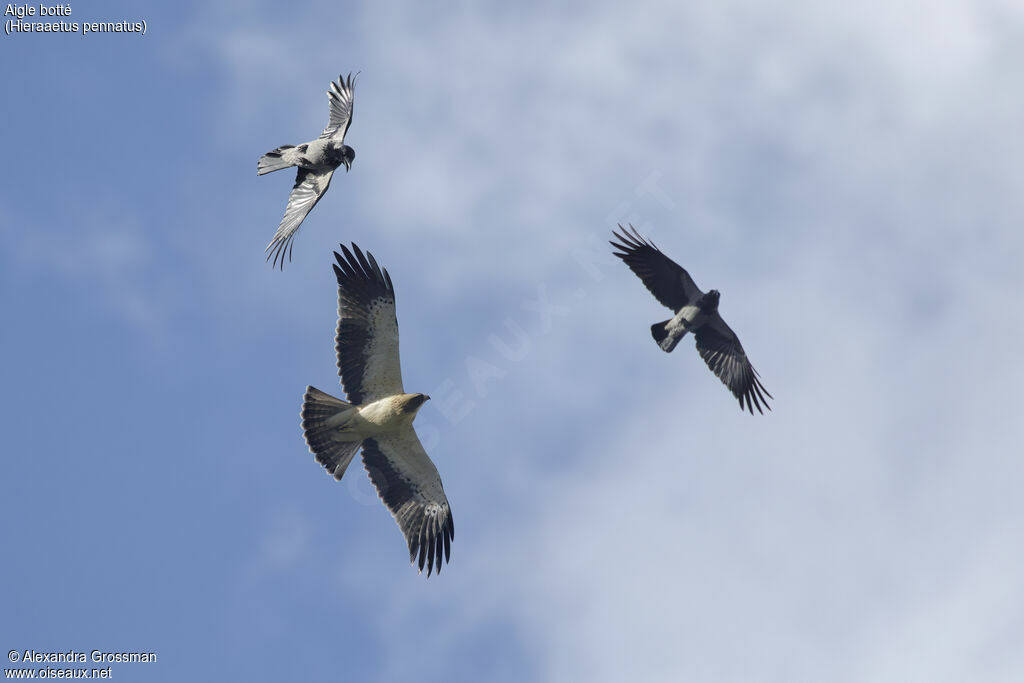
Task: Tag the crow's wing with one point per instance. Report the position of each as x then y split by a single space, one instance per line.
666 279
309 187
367 335
720 348
340 96
410 486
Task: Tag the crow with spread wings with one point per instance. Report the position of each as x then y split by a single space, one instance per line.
378 415
317 161
695 311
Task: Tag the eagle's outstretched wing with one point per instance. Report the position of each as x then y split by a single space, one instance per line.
720 348
410 486
667 280
340 96
309 187
367 334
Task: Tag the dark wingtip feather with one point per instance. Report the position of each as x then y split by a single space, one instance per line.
755 394
634 241
438 550
342 269
430 545
631 244
276 250
376 269
356 264
363 263
348 255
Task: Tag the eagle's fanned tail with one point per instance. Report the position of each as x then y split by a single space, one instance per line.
323 420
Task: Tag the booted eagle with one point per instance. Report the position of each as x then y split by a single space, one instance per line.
378 415
317 161
695 311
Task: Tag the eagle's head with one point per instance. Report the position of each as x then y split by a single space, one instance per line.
709 302
413 402
348 155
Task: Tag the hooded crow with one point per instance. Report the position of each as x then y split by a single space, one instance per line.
378 414
317 161
695 311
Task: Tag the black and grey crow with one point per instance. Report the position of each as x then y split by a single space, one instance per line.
696 312
317 161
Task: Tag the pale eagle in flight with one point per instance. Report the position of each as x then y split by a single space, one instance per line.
379 414
695 311
317 161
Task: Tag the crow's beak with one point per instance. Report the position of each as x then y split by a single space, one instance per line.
348 165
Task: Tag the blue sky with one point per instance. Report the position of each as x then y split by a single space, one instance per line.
848 177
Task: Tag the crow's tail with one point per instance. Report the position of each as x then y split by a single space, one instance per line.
666 341
273 160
